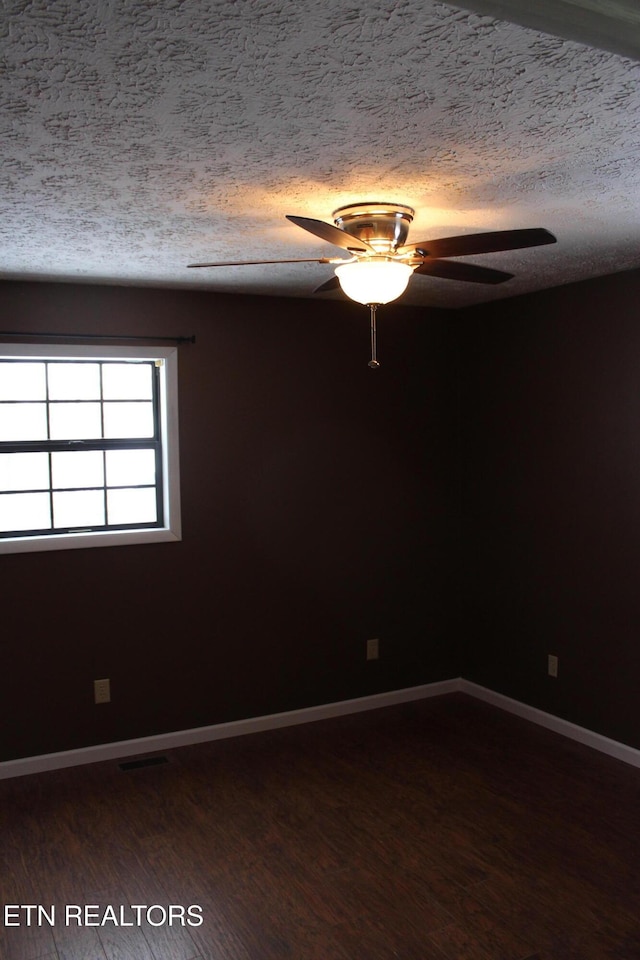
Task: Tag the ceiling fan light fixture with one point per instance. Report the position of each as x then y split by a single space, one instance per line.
381 263
374 281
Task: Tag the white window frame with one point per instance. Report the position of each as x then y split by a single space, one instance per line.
171 530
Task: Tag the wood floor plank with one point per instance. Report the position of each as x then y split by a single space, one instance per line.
24 942
23 946
125 944
78 943
379 940
479 934
133 881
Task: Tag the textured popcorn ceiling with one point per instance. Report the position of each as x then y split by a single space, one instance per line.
141 136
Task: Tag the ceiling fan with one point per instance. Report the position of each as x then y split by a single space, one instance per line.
381 262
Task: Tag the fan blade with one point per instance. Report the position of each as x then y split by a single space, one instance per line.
326 231
472 243
332 284
453 270
253 263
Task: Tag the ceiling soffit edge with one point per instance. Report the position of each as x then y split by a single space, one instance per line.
612 25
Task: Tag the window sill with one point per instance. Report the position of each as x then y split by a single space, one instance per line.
102 538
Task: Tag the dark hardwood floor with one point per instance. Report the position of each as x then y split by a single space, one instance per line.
438 830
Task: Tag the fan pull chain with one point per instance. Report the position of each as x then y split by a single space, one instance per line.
373 363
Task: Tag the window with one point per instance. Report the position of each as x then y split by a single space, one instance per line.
88 446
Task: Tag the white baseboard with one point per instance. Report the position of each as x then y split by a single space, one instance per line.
237 728
613 748
220 731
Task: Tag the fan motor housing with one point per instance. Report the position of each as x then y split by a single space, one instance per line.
384 226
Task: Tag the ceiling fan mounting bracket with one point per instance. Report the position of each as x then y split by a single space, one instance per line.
384 226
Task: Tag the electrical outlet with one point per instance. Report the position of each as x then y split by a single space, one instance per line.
373 649
102 691
552 665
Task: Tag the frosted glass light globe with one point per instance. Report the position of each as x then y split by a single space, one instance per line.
374 281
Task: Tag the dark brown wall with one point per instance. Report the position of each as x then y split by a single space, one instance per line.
318 503
551 500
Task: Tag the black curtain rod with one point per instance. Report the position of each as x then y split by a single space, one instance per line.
91 336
